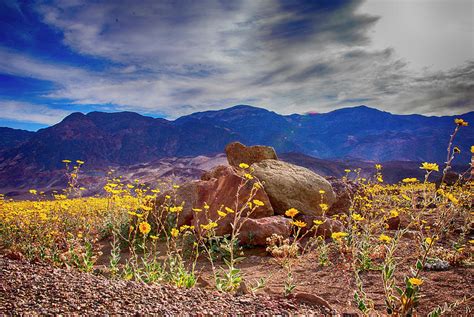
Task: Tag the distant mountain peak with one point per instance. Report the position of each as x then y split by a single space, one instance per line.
244 107
361 108
74 116
238 110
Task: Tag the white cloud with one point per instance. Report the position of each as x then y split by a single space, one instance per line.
27 112
18 64
212 54
435 34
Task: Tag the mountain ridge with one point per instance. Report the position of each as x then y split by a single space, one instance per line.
125 138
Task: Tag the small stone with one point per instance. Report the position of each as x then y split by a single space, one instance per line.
437 265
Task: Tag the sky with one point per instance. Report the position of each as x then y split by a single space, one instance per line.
171 58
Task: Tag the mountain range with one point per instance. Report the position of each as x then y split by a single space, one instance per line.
105 140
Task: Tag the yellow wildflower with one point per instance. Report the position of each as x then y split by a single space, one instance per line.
176 209
221 213
339 235
154 237
322 191
428 241
248 176
378 166
209 226
409 180
258 202
174 232
144 227
461 122
66 161
197 209
452 199
357 217
80 162
429 166
33 191
229 210
393 213
318 222
243 165
384 238
298 223
415 281
291 212
146 208
324 207
347 170
185 227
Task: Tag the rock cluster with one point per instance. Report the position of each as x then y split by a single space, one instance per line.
276 185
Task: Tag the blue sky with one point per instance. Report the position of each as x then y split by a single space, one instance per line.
171 58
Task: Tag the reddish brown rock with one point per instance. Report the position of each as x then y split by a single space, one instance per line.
216 172
256 231
344 191
227 191
393 223
186 196
238 153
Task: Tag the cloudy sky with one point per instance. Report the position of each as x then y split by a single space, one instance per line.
170 58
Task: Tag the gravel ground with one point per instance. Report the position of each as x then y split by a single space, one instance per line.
37 289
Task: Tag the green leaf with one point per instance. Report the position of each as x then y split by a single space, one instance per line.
419 265
356 297
399 290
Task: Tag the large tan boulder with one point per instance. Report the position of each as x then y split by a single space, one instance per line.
238 153
291 186
228 189
256 231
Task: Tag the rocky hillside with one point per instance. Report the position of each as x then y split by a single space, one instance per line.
10 138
